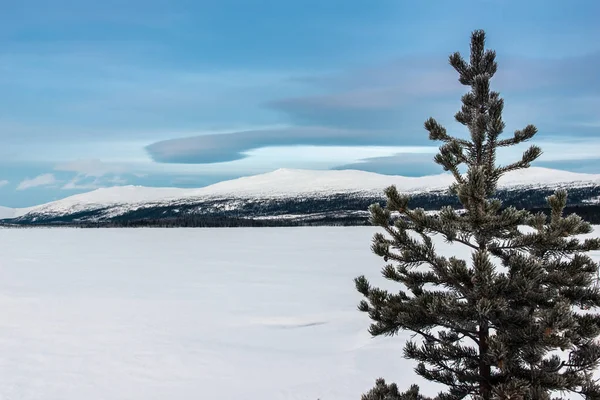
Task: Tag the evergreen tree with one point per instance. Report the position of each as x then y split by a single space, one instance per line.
515 321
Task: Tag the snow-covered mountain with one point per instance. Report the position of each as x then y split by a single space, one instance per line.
278 186
104 197
289 182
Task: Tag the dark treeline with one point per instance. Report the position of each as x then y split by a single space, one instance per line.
199 221
590 213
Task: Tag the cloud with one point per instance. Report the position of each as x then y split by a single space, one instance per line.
40 180
91 168
3 183
402 93
574 155
577 73
93 174
81 183
407 164
385 96
590 165
72 91
215 148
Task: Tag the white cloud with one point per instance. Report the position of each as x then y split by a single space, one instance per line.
554 150
318 157
3 183
93 174
76 184
40 180
79 182
91 168
83 182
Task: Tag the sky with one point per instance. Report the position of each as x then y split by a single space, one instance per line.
188 93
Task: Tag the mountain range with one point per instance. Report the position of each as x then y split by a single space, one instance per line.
286 196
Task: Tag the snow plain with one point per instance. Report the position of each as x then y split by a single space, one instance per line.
216 314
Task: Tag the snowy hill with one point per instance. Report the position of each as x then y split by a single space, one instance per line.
279 186
287 182
292 182
103 197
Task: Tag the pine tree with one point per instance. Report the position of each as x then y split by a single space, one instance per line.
517 320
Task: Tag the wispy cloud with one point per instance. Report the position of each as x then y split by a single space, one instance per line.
75 94
82 183
91 167
93 174
574 155
216 148
402 93
386 104
40 180
407 164
4 183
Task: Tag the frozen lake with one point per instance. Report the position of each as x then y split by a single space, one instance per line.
190 314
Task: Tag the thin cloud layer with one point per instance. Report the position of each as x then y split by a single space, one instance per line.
387 105
406 164
92 174
40 180
589 165
215 148
401 93
91 168
91 183
575 155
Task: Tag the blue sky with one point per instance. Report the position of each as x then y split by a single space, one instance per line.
188 93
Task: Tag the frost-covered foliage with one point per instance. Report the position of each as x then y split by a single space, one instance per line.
516 320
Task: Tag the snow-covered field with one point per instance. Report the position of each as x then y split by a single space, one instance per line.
190 314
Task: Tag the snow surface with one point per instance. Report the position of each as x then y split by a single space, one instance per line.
595 200
292 183
219 314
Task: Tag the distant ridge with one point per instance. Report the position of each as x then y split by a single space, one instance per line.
284 184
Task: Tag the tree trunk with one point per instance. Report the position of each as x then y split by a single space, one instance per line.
485 369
